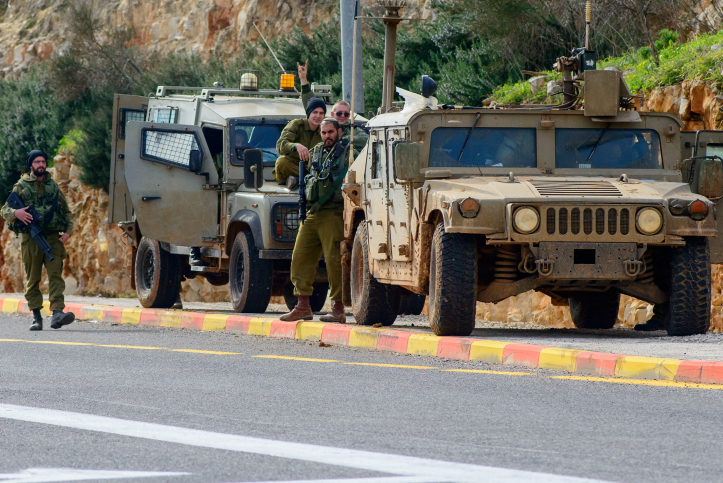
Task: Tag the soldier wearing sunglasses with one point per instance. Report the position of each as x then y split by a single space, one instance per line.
341 111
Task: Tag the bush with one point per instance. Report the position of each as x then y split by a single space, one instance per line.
31 117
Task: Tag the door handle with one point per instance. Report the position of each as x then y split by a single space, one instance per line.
150 198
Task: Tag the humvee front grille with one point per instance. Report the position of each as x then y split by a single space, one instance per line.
593 221
285 222
575 188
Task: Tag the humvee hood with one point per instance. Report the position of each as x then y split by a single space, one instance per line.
541 189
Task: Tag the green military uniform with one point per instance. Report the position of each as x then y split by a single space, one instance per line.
296 132
41 193
360 136
323 230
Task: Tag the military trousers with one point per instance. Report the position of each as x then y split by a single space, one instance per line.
285 167
33 261
322 232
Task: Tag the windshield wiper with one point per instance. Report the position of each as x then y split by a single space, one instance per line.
469 134
598 141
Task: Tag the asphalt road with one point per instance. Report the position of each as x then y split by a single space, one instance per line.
190 406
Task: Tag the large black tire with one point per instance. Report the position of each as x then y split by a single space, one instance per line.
157 274
249 276
316 300
411 303
690 288
452 283
372 302
597 310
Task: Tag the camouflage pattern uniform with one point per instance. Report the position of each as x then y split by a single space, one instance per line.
296 132
323 230
40 193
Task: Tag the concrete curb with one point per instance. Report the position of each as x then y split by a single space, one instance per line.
406 342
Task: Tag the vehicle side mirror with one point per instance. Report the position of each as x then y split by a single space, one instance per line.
704 174
406 161
253 169
195 161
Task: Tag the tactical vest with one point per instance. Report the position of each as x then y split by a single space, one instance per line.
325 168
45 204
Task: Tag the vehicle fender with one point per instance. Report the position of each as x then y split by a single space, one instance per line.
250 218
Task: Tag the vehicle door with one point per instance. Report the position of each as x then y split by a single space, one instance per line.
710 143
377 208
172 203
125 109
398 203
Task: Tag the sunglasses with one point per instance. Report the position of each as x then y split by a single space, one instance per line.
342 114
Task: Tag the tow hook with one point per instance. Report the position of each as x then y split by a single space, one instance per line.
633 268
544 266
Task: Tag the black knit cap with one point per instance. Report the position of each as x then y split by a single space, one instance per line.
34 154
313 103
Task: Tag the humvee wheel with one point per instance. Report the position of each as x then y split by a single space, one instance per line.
452 283
158 275
316 300
249 276
595 310
411 304
372 302
690 291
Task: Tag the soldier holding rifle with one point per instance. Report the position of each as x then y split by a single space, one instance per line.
45 224
323 229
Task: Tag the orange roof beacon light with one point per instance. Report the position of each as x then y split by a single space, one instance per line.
287 81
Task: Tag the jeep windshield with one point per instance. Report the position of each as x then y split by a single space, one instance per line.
485 148
607 149
261 135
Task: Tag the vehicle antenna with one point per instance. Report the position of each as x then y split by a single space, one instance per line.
588 18
353 75
269 47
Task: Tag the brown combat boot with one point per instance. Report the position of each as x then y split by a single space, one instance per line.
302 311
337 314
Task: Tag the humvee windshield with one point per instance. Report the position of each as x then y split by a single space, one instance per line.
607 149
256 135
486 147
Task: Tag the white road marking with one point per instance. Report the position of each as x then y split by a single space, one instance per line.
443 471
50 475
380 479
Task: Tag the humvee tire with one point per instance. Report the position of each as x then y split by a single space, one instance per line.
452 283
690 291
411 304
316 300
595 310
249 276
157 274
372 302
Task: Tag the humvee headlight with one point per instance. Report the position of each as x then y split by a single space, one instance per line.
291 220
649 221
678 207
469 208
526 219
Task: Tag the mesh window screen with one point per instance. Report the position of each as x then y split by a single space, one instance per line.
171 147
163 115
129 115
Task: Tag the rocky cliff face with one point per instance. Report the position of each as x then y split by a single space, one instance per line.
34 29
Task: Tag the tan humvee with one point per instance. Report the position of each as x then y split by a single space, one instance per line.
582 204
192 168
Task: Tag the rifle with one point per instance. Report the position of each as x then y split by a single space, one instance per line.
302 192
33 228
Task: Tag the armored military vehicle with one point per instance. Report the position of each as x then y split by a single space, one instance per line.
191 168
583 201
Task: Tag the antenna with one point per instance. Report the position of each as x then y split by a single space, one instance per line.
588 18
269 47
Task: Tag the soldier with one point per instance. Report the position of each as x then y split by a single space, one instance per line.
341 111
323 230
296 139
38 189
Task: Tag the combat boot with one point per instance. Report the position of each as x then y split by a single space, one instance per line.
37 320
337 314
178 304
292 182
60 319
302 311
